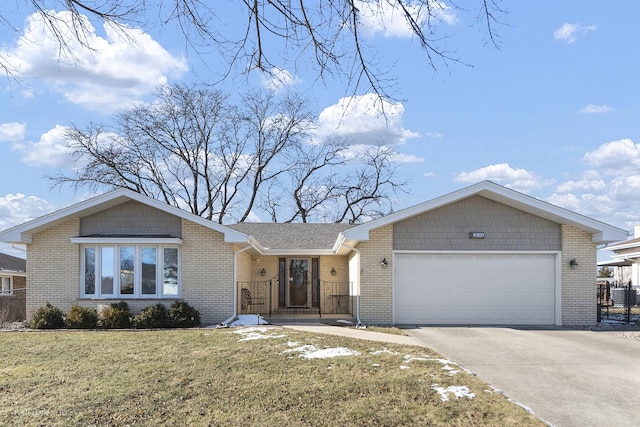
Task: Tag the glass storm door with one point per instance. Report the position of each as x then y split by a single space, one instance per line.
298 282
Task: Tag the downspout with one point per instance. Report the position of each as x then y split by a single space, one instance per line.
235 285
358 322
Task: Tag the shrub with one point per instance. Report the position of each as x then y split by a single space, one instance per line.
182 315
47 317
116 316
154 316
82 317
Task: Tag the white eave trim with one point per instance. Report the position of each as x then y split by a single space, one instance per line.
22 233
600 232
296 252
128 240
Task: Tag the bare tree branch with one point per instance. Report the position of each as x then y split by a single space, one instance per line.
194 149
326 33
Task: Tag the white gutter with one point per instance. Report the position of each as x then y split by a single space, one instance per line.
358 322
235 284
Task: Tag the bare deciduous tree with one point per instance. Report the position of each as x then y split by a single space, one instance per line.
193 148
325 33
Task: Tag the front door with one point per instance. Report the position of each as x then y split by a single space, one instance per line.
298 282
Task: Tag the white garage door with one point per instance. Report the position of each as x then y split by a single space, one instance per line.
479 289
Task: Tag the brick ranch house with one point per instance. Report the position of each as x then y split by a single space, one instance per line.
484 254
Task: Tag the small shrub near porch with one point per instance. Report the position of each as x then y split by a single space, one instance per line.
116 316
82 317
48 317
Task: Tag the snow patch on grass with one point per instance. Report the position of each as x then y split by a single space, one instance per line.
250 334
458 391
312 352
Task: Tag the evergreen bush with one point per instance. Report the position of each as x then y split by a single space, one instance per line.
82 317
47 317
116 316
154 316
182 315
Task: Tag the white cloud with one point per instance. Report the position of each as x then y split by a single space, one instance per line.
406 158
518 179
12 131
119 70
50 150
18 208
596 109
615 158
610 191
365 120
279 79
437 135
388 19
589 182
569 32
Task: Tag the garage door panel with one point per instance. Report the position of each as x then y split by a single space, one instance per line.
474 289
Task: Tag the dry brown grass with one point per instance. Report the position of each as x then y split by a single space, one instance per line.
213 377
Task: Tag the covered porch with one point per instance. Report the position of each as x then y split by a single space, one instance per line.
301 288
296 271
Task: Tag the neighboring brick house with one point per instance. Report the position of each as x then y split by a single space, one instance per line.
13 282
484 254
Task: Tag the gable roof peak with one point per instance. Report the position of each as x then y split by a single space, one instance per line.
601 232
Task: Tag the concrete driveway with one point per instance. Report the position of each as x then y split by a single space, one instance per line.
567 377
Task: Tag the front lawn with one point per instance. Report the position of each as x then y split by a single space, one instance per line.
245 376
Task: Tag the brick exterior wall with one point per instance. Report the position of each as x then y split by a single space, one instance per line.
579 285
207 272
53 268
376 293
53 271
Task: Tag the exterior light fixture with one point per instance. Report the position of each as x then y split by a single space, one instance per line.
263 272
333 271
573 264
384 264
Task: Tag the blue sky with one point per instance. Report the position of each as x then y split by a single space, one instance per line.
552 113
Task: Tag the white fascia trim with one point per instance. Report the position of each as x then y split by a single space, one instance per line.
600 232
296 252
338 243
22 233
9 273
626 256
617 247
127 240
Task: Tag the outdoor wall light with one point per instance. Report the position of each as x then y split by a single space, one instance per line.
263 272
573 264
333 271
384 263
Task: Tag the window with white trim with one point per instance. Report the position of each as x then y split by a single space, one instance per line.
130 271
6 285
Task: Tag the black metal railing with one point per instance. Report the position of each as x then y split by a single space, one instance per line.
335 297
617 302
255 297
325 297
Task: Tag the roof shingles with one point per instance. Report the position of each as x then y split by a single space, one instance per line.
12 264
292 235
